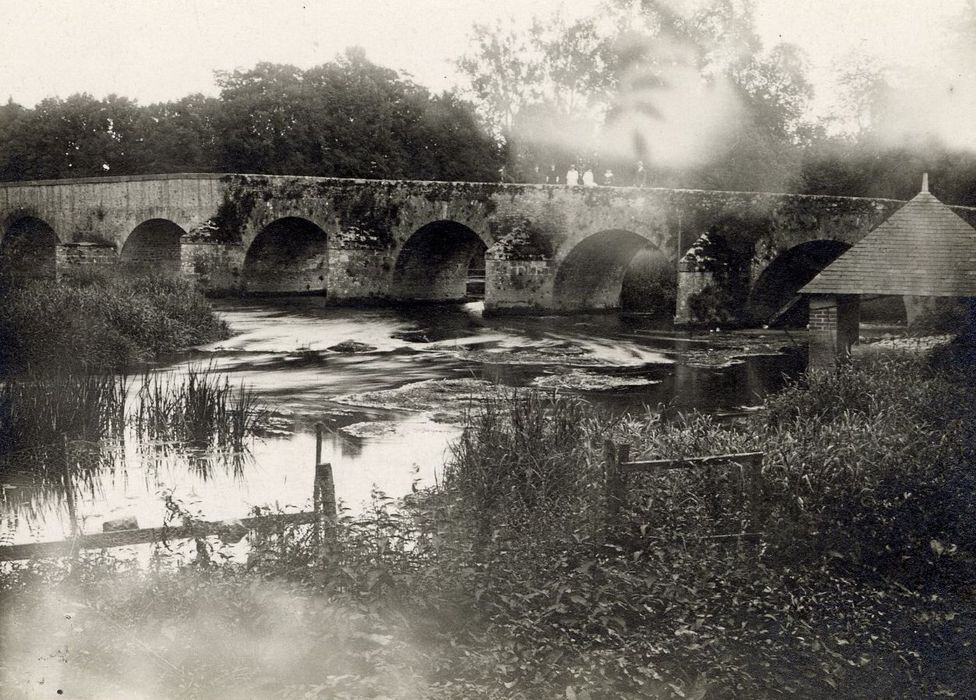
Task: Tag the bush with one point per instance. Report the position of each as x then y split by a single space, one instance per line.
101 322
947 316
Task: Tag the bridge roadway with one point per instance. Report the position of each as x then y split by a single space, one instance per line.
545 248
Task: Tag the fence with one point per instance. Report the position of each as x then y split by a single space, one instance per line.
322 518
619 466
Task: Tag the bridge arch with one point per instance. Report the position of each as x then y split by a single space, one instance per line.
29 247
592 274
774 294
443 260
153 246
288 256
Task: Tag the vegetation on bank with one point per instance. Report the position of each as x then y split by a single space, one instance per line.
64 409
101 322
508 580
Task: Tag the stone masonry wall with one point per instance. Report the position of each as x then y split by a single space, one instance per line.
79 258
367 224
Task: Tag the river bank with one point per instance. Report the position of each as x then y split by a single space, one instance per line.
859 587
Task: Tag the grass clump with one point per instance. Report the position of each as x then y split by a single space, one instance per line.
200 408
98 321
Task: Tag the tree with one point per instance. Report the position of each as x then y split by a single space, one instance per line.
180 136
505 70
680 90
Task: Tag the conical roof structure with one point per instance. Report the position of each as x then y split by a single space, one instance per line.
923 249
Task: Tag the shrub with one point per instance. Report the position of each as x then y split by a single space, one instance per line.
948 316
102 322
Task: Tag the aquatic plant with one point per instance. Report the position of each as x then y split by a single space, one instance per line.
53 426
199 407
44 408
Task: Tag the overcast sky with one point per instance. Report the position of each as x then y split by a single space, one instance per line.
155 50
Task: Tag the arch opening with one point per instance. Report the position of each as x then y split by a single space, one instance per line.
650 283
288 256
29 248
593 275
774 299
442 261
153 246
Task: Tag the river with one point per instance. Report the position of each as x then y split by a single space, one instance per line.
389 409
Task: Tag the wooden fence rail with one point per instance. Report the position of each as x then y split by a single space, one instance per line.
618 466
125 538
322 518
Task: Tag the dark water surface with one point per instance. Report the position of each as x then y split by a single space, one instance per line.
281 349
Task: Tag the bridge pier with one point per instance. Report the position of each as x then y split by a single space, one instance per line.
693 281
214 267
71 259
518 286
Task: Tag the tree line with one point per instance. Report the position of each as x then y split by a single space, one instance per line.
689 91
346 118
653 95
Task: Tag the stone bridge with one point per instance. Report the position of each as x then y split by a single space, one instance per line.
544 248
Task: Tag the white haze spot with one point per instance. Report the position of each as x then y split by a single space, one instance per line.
681 125
933 104
665 111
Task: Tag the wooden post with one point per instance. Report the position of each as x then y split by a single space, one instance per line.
753 474
325 509
69 491
615 485
316 488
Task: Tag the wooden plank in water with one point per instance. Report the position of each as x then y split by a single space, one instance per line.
124 538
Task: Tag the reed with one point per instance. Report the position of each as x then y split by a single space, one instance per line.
54 428
200 408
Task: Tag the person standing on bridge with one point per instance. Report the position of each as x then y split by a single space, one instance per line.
588 180
572 176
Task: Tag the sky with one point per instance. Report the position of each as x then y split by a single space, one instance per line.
154 50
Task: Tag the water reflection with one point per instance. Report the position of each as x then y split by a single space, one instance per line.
307 359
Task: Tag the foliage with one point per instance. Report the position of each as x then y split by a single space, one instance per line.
201 408
947 316
101 322
39 409
710 306
514 451
346 118
859 585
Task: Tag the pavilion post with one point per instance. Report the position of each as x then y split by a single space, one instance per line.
834 328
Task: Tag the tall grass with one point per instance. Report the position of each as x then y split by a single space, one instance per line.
201 408
52 428
101 321
44 408
522 455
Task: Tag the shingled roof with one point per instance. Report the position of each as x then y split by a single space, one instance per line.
923 249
